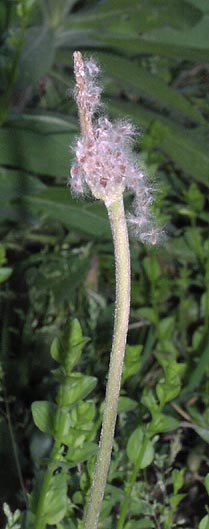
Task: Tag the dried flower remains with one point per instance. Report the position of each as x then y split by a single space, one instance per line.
105 163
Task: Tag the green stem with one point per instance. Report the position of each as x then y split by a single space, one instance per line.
122 263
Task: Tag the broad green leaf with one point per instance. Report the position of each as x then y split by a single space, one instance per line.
36 57
204 524
180 144
143 44
193 38
14 184
130 74
140 448
203 5
141 15
44 416
55 504
57 203
40 153
129 33
47 123
75 388
50 418
187 152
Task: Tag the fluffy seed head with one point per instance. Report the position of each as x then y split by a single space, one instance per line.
104 162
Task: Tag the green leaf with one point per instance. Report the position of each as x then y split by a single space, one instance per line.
146 15
166 392
36 56
152 268
149 400
67 350
5 273
125 405
139 447
75 388
85 217
40 153
82 453
181 145
204 524
44 416
178 479
83 415
55 504
201 4
202 432
176 499
14 185
149 85
127 27
132 361
195 38
161 423
196 198
166 327
149 314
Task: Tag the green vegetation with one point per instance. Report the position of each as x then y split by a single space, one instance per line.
57 269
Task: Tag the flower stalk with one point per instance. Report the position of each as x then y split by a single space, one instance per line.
122 261
105 166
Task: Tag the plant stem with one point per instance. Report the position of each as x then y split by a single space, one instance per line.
122 307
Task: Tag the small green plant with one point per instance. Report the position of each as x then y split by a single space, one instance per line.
64 422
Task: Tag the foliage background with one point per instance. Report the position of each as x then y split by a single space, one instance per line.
56 252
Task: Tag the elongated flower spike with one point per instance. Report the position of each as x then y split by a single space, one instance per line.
105 166
104 162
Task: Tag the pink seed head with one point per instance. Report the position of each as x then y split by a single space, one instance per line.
104 161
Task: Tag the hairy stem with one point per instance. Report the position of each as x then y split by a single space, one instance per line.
122 264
